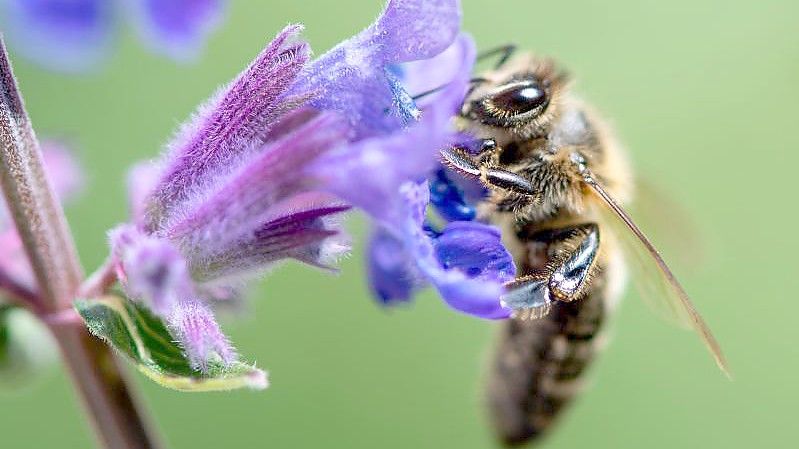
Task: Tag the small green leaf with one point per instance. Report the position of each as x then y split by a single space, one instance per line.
144 339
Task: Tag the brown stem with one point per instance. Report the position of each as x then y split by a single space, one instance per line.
100 381
51 252
40 222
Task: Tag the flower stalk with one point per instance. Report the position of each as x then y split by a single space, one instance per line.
50 249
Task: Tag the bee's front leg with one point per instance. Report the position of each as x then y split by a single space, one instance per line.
483 166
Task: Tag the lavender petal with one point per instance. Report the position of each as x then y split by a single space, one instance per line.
194 326
62 169
468 283
310 234
155 272
142 180
243 201
432 73
475 249
232 123
351 78
393 278
370 172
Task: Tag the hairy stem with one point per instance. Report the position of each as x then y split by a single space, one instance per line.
48 244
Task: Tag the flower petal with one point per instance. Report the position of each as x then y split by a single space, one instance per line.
14 265
351 78
155 272
473 297
470 283
476 250
426 75
142 180
240 203
449 200
369 172
393 277
310 235
232 124
63 170
193 324
64 35
176 28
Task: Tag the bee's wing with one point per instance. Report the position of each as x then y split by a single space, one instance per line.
672 295
669 222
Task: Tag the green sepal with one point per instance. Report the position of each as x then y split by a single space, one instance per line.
144 339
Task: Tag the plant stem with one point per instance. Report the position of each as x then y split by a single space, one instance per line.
51 252
100 381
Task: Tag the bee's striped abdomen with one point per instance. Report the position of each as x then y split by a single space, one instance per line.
538 364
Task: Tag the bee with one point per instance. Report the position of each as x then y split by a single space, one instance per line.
558 183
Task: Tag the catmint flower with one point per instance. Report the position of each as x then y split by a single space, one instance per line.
67 178
229 200
384 175
76 35
264 169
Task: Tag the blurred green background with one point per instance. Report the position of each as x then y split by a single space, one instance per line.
703 93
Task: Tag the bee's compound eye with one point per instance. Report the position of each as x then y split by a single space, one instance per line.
520 98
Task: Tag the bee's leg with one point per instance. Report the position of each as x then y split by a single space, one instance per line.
460 160
576 262
528 296
504 52
571 262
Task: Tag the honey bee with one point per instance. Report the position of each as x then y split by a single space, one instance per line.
558 182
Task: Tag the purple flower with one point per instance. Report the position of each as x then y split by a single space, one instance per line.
258 176
379 172
354 78
466 261
176 28
76 35
229 200
67 179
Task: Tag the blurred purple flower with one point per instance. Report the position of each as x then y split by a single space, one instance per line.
76 35
176 28
67 180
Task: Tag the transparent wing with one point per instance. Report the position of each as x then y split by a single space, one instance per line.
670 224
659 285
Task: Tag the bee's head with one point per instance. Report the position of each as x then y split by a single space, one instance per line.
521 97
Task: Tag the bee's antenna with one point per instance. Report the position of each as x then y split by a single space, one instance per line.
505 52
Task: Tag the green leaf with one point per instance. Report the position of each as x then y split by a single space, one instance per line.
144 339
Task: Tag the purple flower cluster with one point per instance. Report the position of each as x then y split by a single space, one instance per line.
75 35
262 171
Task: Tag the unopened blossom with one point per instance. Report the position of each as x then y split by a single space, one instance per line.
228 201
76 35
66 177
